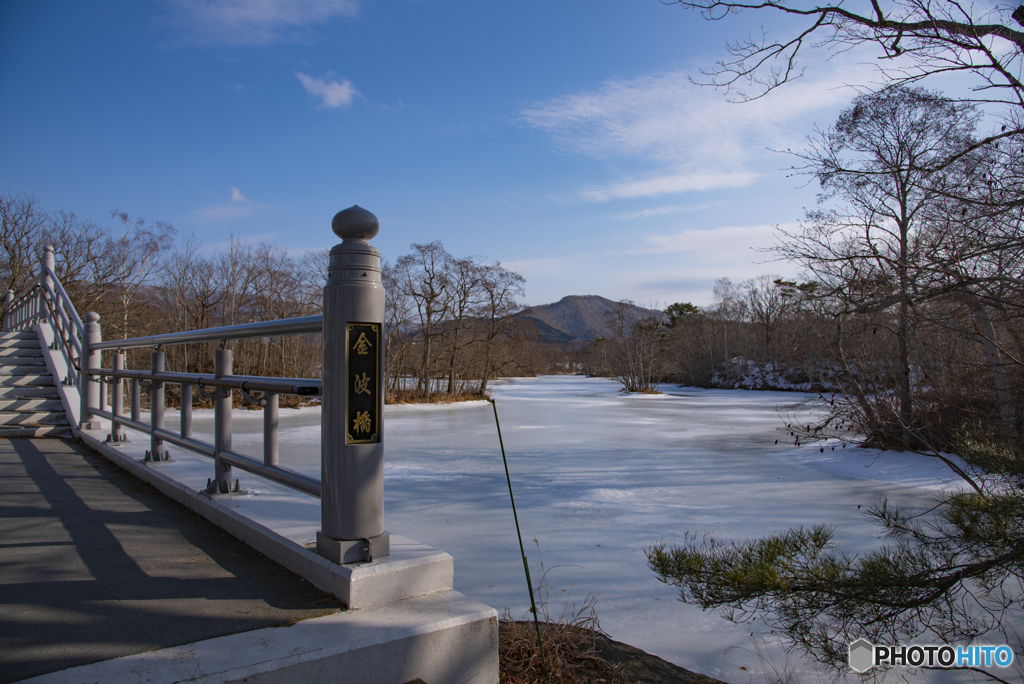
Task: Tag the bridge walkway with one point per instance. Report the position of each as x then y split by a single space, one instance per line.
96 564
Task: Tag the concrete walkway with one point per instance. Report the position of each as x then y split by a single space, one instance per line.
95 564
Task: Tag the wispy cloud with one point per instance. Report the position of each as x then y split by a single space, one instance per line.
669 184
237 207
542 266
661 211
254 22
717 241
332 94
687 136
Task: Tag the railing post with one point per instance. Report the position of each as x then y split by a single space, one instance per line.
49 264
156 409
352 419
136 400
270 429
221 482
88 385
186 411
8 301
117 434
44 280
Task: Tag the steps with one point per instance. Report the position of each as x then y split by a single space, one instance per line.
29 404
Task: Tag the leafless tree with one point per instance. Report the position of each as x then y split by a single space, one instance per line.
132 256
769 301
499 289
424 277
638 344
915 38
22 222
464 277
871 252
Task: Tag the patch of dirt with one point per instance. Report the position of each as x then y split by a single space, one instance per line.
578 655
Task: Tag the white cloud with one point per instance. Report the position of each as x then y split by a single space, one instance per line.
693 137
715 244
661 211
670 184
255 22
332 94
528 267
237 207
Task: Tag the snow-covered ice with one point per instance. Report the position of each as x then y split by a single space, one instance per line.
598 477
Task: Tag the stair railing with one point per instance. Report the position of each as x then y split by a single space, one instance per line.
45 301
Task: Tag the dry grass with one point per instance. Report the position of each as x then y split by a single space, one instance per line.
418 397
570 649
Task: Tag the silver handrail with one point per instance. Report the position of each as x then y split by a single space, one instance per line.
286 326
65 298
305 387
19 314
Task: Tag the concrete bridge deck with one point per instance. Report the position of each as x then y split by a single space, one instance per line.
96 564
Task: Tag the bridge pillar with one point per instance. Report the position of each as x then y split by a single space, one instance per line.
88 385
221 482
352 419
156 452
117 434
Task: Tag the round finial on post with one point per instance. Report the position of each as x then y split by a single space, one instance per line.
355 223
48 248
92 317
48 260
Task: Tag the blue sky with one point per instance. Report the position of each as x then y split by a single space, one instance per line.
560 137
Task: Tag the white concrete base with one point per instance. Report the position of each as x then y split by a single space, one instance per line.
58 367
441 639
412 569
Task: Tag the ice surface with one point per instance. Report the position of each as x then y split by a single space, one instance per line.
598 476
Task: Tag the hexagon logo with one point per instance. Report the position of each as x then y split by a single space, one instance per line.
861 659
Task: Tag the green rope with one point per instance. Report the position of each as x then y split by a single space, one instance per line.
526 565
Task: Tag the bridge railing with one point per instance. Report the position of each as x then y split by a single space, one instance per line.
46 301
218 386
351 389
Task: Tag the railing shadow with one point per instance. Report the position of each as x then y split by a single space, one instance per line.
96 565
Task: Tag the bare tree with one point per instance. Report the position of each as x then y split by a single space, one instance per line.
464 277
730 306
22 222
870 254
500 288
398 306
423 277
80 249
769 301
638 341
132 256
236 280
916 39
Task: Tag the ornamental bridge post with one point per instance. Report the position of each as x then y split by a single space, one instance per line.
352 423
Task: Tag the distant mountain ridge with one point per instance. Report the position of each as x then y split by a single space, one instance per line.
577 318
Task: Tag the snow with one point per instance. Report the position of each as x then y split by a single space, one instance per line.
598 476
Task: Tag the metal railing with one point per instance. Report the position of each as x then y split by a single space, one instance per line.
46 301
221 384
351 486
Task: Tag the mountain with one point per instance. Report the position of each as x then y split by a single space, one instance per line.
578 318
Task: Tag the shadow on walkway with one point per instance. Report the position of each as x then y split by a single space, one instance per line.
95 564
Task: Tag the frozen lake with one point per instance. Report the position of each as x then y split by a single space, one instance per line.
598 476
